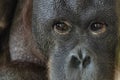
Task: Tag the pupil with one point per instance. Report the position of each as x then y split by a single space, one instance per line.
96 27
61 27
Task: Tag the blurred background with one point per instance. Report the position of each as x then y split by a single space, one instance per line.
118 49
117 76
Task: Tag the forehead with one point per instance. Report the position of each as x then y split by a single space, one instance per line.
51 8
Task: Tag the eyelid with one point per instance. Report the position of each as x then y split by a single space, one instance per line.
62 21
66 22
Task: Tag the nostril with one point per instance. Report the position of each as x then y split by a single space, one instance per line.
86 61
75 61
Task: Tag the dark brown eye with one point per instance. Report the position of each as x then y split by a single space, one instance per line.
62 27
97 28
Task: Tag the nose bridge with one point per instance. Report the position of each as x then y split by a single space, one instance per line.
79 51
80 31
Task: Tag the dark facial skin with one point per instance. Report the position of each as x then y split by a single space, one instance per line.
78 36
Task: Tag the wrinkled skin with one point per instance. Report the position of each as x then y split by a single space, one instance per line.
79 54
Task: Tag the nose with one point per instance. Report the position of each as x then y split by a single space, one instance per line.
80 59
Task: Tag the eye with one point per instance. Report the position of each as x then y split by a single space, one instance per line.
97 28
62 27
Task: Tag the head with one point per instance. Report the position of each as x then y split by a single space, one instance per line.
79 37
